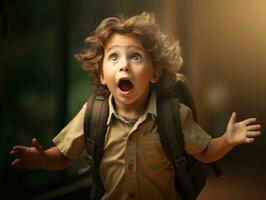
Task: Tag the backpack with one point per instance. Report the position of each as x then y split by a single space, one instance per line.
190 174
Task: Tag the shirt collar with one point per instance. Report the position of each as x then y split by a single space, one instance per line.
151 107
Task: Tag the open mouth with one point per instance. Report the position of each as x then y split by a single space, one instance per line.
125 85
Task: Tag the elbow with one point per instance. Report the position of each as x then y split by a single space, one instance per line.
67 162
204 156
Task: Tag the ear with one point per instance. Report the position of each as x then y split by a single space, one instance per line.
156 74
102 79
101 76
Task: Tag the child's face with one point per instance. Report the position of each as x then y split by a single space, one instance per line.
127 69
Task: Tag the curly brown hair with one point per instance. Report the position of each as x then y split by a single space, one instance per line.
164 52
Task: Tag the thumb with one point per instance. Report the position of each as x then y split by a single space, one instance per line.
232 119
37 145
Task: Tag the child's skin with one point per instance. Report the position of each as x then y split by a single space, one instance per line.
126 59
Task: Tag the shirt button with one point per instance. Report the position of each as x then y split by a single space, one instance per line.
130 166
131 195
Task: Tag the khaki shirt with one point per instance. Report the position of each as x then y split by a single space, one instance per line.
134 165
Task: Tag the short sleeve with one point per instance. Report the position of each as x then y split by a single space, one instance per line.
195 138
70 140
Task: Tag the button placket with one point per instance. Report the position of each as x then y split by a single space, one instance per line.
130 166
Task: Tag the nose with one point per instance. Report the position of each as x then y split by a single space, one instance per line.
124 65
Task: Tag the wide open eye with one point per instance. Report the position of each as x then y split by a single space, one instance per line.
113 57
136 57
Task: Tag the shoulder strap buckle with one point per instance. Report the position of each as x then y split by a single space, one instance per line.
100 98
180 162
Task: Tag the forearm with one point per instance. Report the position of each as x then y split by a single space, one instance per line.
54 160
216 149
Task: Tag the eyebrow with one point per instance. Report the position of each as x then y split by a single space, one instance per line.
128 47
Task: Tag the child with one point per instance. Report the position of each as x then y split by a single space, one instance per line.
132 62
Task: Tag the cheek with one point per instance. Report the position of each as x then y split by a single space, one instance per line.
108 76
144 78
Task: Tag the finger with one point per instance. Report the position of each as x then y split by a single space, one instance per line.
17 153
249 121
249 140
232 119
37 145
18 163
253 133
19 148
254 127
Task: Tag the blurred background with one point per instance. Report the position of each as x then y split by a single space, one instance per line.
42 85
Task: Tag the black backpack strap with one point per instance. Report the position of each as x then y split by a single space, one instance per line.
172 141
183 93
95 128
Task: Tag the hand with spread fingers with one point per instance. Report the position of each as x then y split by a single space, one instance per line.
28 157
236 133
243 131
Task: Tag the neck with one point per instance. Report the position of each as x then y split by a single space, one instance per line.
134 110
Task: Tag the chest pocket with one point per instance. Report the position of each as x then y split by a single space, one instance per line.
153 154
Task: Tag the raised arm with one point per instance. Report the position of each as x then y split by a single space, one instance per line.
36 157
236 133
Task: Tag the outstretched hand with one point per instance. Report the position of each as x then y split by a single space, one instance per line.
243 131
28 157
